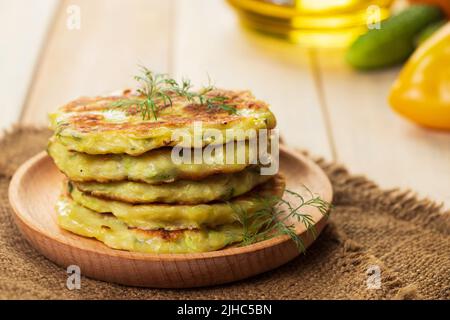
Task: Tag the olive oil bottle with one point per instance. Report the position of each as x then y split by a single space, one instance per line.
313 23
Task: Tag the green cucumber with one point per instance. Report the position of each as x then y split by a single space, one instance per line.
393 43
428 32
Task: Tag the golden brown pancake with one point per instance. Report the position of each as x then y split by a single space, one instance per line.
98 126
153 167
217 187
116 234
153 216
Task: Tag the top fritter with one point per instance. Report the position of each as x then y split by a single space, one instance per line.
114 124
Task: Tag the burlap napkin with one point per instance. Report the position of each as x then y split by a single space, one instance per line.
378 245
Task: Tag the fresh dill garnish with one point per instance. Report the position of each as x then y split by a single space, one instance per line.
273 219
158 89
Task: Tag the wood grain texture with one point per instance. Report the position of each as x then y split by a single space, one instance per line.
35 188
24 26
372 140
208 40
101 56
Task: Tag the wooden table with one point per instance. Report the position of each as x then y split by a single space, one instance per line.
322 105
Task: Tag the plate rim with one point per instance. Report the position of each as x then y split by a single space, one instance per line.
116 253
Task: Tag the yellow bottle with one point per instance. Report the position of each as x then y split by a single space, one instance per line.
315 23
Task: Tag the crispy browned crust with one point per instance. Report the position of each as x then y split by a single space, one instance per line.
182 114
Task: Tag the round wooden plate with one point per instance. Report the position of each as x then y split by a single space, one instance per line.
35 188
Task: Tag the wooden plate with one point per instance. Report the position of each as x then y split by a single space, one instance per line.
35 188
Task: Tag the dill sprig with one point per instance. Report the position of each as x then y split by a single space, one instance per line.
158 89
273 219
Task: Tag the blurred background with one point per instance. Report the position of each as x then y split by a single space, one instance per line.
293 54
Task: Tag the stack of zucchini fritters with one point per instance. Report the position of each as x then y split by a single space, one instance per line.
124 189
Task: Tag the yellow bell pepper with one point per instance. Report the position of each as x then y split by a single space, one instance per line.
422 90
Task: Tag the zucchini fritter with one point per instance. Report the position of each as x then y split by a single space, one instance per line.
153 167
96 126
116 234
174 217
216 187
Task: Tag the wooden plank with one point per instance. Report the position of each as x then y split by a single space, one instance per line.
209 40
102 55
24 28
371 139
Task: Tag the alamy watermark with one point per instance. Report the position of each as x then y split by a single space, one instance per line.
373 17
373 280
234 146
73 21
74 277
